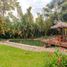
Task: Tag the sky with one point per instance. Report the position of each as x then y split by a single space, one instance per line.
36 5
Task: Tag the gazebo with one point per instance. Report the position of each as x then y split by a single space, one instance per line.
62 29
60 39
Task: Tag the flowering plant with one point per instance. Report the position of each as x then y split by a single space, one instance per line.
56 59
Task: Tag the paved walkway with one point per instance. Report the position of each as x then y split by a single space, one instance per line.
32 48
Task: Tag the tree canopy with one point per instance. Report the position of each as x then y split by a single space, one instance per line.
24 25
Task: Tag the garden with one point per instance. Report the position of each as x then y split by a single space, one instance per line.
13 57
21 29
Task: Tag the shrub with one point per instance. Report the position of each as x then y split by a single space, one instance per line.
56 59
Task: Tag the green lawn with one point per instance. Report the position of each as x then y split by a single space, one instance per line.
14 57
28 41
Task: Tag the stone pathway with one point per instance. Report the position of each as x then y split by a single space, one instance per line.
32 48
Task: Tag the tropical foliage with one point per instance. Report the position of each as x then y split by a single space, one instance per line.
24 25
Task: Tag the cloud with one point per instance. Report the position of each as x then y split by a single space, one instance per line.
36 5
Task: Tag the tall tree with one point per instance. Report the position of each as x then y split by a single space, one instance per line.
29 22
57 9
40 22
7 5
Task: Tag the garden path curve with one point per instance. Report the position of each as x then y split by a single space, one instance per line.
32 48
